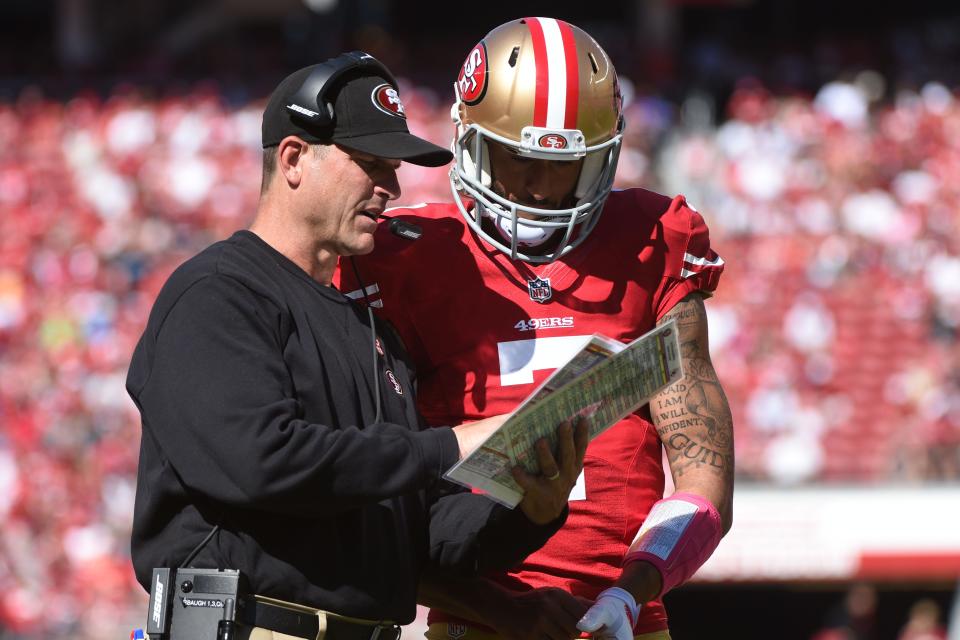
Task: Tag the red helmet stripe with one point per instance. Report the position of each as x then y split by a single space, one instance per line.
543 71
573 75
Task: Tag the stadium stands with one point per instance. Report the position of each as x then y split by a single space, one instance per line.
834 329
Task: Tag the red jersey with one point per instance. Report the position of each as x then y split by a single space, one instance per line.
484 331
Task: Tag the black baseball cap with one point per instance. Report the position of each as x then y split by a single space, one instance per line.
368 116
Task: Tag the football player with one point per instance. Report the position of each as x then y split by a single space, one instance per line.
534 253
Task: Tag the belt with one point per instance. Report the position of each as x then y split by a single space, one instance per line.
313 624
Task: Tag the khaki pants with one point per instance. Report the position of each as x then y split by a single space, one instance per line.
264 634
453 631
258 633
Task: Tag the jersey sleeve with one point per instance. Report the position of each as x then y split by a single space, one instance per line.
691 264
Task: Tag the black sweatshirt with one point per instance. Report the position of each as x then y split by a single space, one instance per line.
256 391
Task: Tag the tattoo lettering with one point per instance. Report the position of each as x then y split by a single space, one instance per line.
694 451
681 424
692 416
673 414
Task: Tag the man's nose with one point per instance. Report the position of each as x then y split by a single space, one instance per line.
388 186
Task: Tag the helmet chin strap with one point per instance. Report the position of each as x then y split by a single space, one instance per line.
527 235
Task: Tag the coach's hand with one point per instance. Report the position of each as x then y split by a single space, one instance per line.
547 612
546 495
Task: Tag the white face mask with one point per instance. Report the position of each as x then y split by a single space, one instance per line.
470 177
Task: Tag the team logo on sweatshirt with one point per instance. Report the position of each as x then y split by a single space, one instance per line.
392 379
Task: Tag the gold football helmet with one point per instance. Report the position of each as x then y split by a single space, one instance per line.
544 89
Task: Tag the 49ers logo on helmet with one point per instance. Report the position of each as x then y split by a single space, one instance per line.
386 98
472 81
552 141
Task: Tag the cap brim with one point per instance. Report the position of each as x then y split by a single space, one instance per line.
398 145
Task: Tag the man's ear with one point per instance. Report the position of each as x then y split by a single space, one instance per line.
291 153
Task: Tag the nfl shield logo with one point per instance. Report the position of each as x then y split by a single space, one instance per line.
456 630
539 289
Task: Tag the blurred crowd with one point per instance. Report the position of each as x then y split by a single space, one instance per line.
858 617
834 329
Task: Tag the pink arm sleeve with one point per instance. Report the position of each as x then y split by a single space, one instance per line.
678 536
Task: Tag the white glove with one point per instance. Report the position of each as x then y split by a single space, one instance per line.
612 616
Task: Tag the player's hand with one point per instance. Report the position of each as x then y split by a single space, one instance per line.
612 616
546 495
471 435
541 613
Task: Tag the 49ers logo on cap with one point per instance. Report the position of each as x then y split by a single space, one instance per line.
552 141
386 98
472 81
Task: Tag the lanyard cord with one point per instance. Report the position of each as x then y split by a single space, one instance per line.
373 338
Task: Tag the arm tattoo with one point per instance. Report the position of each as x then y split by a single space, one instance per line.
692 416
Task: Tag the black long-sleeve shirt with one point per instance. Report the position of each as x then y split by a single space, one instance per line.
256 391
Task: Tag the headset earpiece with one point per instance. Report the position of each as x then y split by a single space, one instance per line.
311 102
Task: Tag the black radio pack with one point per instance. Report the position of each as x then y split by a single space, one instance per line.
195 603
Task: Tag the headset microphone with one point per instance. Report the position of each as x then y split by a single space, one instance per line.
404 229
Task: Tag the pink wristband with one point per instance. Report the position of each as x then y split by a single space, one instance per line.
677 537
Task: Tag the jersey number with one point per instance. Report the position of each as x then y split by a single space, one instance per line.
520 358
